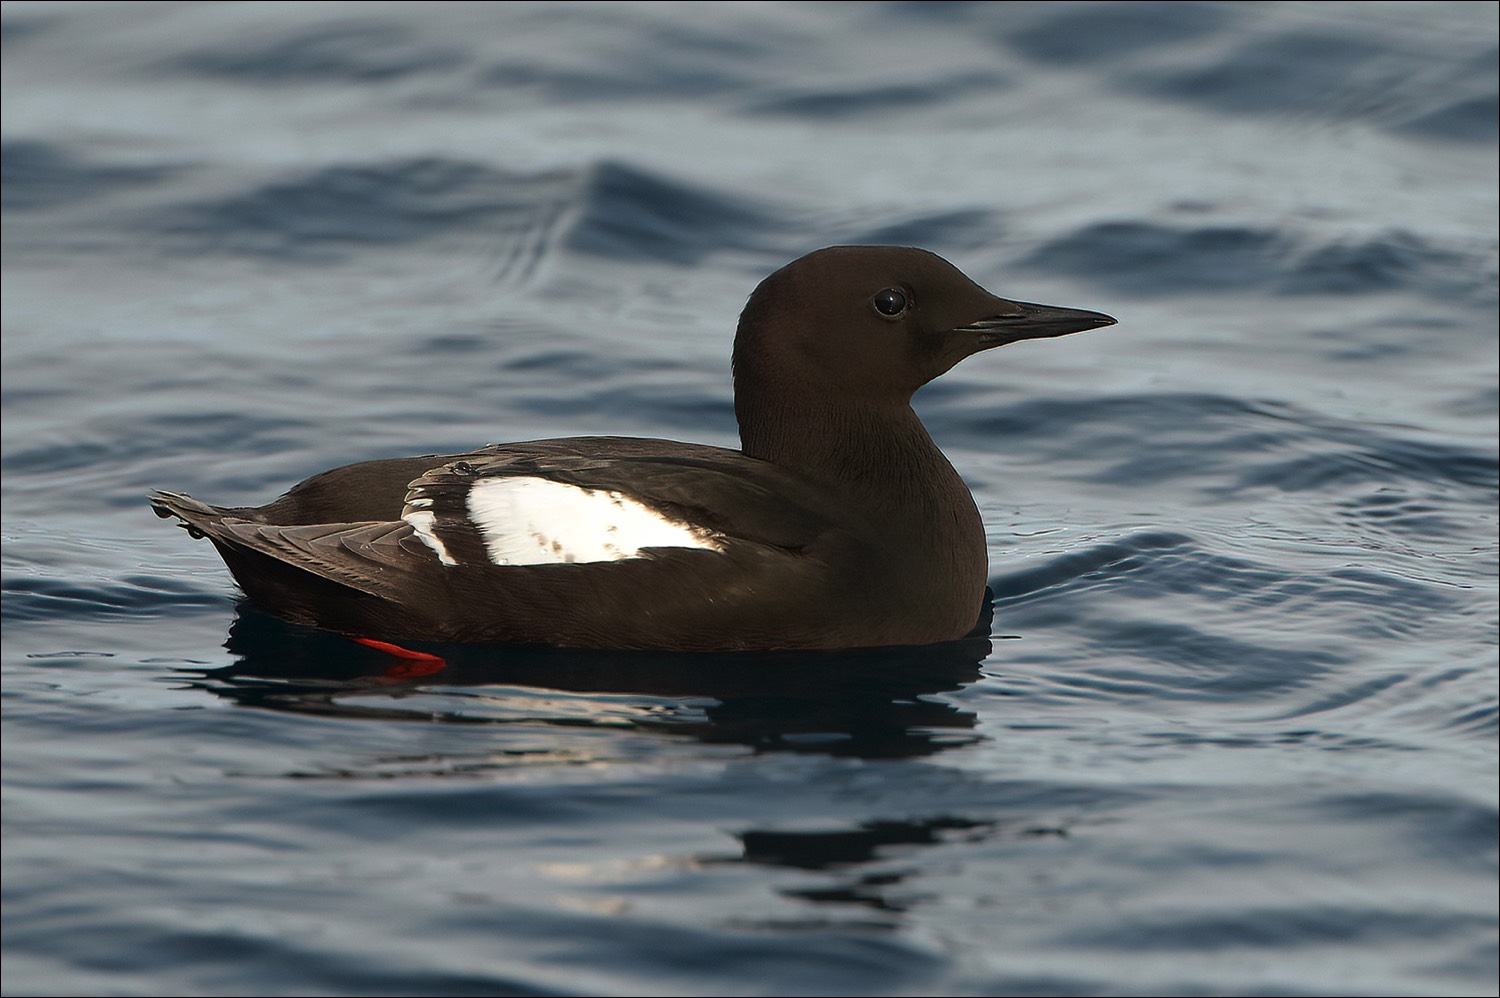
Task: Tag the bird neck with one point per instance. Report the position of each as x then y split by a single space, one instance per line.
914 508
880 451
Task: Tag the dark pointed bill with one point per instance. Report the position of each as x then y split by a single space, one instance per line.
1027 321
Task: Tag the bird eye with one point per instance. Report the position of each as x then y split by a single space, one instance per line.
891 302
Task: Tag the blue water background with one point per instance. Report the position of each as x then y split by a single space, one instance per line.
1235 729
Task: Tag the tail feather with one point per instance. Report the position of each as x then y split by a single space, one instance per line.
195 517
307 574
352 554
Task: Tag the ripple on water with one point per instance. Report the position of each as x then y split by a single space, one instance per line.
1165 616
38 598
609 210
629 213
327 214
1116 32
854 101
1156 258
1237 732
362 53
1227 447
1395 84
37 175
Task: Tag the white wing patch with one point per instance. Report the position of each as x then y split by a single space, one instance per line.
534 521
421 522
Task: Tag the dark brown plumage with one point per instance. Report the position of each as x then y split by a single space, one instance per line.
839 523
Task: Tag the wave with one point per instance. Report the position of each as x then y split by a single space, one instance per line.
36 175
36 598
367 52
628 213
332 212
1154 258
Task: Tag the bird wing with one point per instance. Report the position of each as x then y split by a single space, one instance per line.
679 495
566 497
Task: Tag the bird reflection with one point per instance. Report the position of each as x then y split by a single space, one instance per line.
867 865
869 703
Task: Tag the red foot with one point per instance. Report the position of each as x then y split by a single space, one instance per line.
415 663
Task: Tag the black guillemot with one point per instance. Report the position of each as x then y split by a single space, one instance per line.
838 523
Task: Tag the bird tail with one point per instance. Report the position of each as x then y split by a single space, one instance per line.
195 517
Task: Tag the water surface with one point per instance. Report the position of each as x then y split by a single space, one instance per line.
1233 730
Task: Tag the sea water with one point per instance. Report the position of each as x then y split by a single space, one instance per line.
1233 730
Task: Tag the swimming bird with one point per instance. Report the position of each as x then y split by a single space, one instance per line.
837 524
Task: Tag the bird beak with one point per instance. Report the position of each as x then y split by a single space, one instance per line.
1020 320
